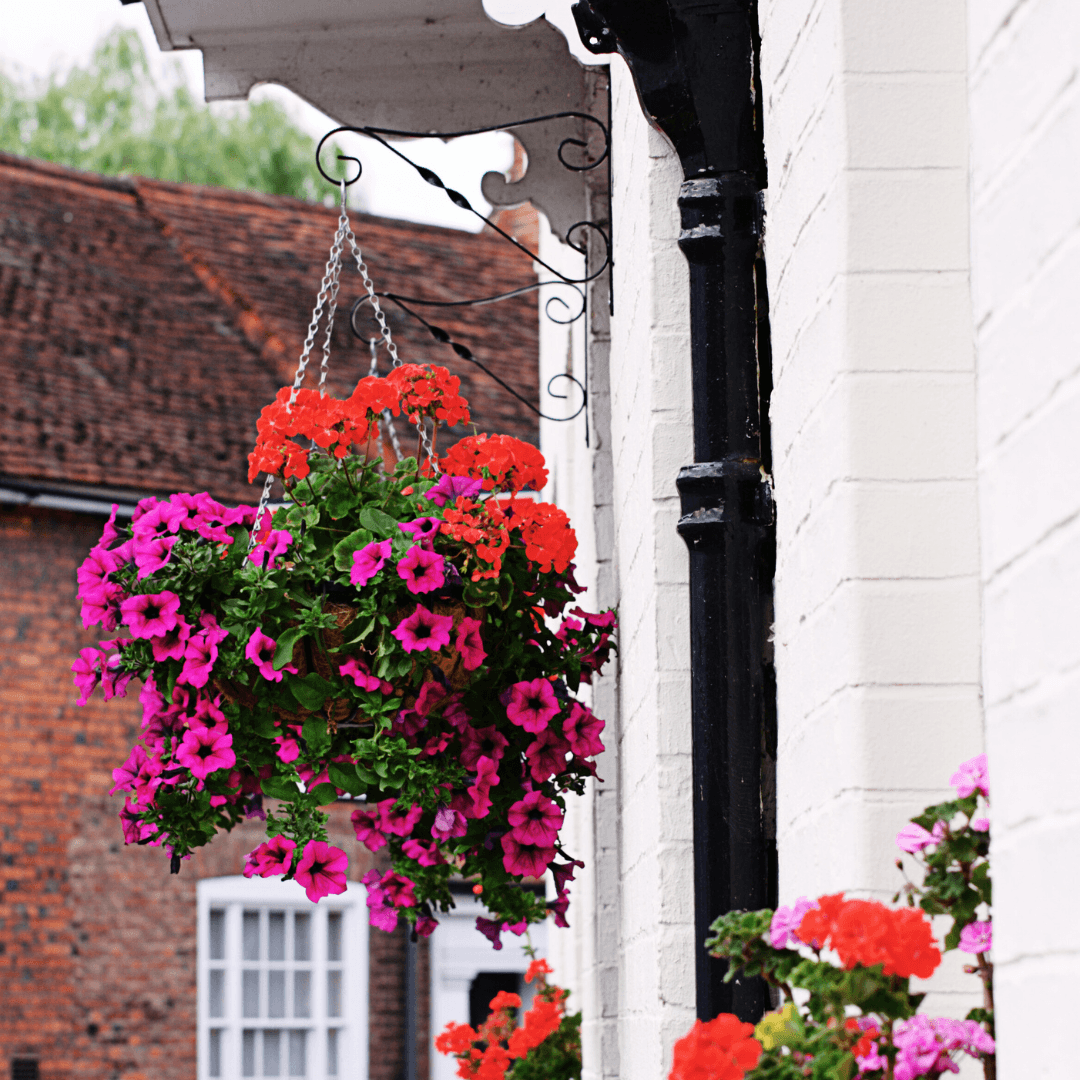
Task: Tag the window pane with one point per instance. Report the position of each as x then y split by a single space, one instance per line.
271 1053
251 993
248 1066
302 937
331 1052
333 993
215 1052
217 934
298 1053
275 994
217 992
276 942
251 935
333 937
302 993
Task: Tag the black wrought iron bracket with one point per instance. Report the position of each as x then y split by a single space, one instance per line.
576 237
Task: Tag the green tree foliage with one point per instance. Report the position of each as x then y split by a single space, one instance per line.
113 117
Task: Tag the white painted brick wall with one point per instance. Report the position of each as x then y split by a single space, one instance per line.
874 437
1025 217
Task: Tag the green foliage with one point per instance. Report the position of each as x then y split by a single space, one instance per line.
112 117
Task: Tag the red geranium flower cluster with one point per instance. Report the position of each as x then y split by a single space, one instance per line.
868 933
429 391
488 1052
500 461
721 1049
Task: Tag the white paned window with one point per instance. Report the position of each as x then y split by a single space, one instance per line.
282 981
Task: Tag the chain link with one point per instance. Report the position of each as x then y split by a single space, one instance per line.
387 421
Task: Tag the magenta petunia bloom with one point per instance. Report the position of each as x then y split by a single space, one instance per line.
487 777
260 651
431 693
157 520
912 838
139 766
426 925
449 823
205 750
101 604
152 615
481 742
136 831
532 705
273 857
288 749
171 646
422 571
981 824
582 731
398 822
450 488
424 629
266 553
971 777
976 937
469 644
547 755
368 832
786 921
536 819
603 620
491 930
529 859
199 659
564 872
381 911
360 674
425 854
321 870
368 561
422 530
151 555
86 673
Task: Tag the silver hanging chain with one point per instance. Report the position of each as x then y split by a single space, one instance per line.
387 421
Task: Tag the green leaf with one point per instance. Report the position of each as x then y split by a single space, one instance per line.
278 788
263 724
338 503
316 735
345 778
324 794
363 633
284 651
343 549
311 691
379 523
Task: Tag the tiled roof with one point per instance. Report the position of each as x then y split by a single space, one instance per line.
144 324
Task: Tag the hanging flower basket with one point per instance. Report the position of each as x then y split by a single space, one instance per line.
394 633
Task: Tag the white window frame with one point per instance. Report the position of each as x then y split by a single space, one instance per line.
234 895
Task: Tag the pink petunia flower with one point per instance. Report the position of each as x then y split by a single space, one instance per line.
423 530
970 777
491 930
532 705
151 615
449 488
151 555
546 755
564 872
205 750
422 571
582 731
424 629
157 520
260 651
426 925
266 553
136 830
976 937
101 604
288 749
469 644
200 655
487 777
367 827
431 694
786 921
368 561
86 673
535 819
425 854
981 824
381 911
913 838
360 674
171 646
321 870
481 742
523 858
398 822
273 857
449 823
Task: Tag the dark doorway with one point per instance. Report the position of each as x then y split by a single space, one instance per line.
484 987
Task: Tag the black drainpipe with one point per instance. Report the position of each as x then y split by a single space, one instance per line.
695 65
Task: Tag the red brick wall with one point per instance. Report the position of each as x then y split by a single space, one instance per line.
97 940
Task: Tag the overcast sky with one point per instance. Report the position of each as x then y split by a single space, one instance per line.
39 37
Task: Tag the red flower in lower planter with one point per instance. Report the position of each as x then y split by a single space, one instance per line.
721 1049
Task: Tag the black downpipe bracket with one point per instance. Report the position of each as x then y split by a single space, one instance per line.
695 65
